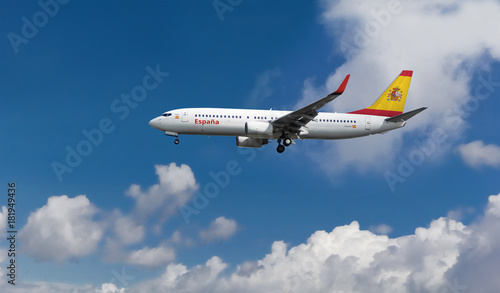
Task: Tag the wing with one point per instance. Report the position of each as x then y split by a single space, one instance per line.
292 122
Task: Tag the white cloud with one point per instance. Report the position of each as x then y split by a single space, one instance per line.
220 229
345 260
177 278
3 220
262 90
176 187
63 228
128 231
177 239
447 256
478 265
442 42
151 257
381 229
477 154
110 288
459 213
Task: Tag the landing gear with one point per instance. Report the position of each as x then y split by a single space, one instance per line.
286 142
174 134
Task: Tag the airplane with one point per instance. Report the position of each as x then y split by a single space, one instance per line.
254 128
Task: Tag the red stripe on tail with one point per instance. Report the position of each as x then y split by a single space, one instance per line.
406 73
375 112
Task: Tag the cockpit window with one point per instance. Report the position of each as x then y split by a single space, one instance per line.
166 114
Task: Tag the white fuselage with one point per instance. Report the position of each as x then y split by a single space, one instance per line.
233 122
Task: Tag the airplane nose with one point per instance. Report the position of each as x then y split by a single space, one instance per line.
155 122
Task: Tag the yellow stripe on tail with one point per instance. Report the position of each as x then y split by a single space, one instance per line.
392 101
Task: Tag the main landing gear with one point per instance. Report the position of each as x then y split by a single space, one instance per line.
286 142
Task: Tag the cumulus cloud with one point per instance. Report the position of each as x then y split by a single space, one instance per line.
110 288
220 229
63 228
476 154
446 256
479 263
346 259
151 257
127 230
175 188
177 278
380 39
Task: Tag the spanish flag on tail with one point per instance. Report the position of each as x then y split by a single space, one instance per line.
392 101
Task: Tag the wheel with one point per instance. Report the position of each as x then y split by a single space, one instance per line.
176 141
287 141
281 148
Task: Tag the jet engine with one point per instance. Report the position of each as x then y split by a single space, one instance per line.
259 129
249 142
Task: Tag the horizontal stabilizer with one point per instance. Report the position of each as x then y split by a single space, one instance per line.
405 116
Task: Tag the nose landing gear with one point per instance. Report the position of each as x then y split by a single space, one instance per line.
174 134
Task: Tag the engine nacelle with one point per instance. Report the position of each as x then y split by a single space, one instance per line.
260 129
249 142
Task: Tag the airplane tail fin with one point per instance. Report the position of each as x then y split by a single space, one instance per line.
392 101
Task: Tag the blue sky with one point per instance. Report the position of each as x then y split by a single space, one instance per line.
63 81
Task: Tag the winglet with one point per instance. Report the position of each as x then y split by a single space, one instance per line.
342 86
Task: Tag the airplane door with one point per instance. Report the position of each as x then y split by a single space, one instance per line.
184 116
368 124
